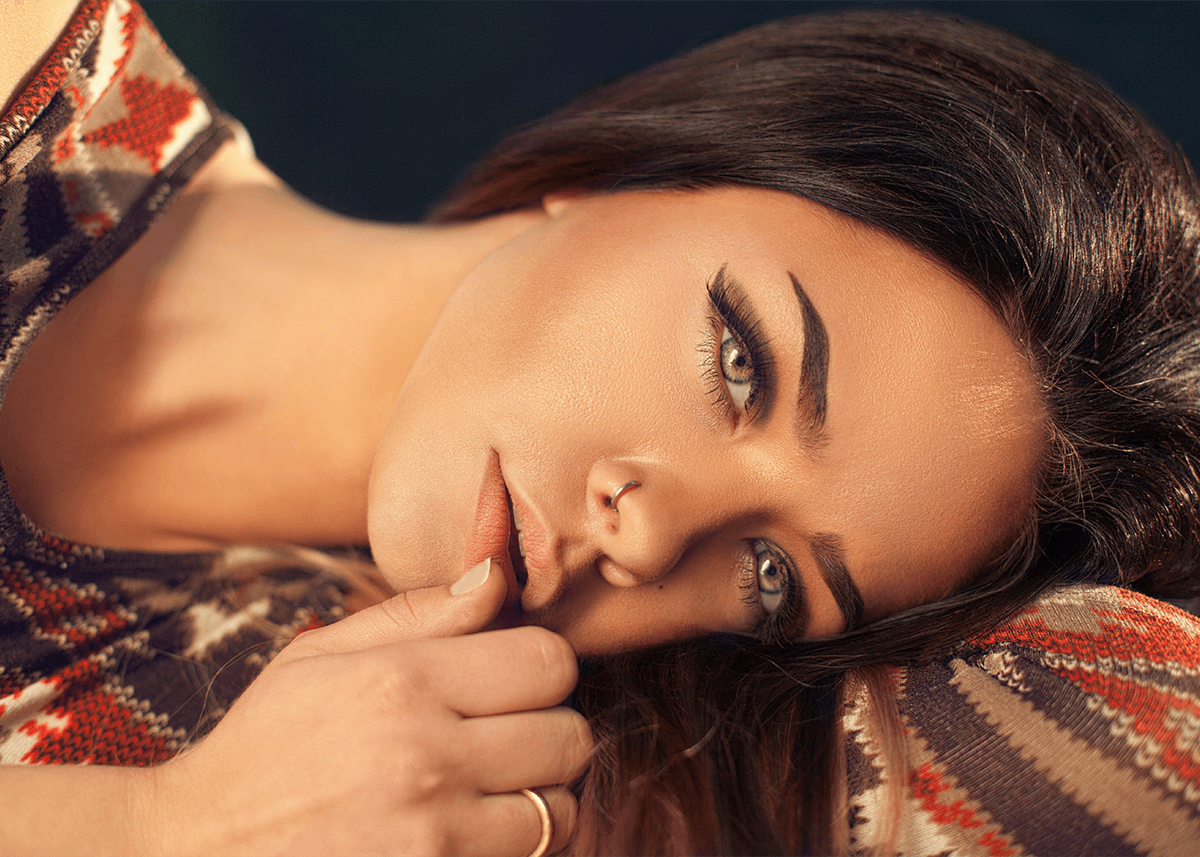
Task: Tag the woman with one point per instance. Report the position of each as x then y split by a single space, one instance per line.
923 338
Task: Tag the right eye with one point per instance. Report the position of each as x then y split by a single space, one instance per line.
773 576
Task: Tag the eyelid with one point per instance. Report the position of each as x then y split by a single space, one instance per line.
732 310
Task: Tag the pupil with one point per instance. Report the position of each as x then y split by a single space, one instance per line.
735 361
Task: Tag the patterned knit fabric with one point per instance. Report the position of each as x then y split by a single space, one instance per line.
113 657
1072 729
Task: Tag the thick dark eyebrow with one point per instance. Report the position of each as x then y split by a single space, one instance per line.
827 548
814 367
831 559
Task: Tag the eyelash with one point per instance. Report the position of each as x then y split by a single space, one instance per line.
770 627
730 313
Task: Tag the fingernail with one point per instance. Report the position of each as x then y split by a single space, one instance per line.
472 579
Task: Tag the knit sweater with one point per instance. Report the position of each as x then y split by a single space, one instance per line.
1071 729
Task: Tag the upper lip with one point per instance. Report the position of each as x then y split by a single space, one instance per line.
532 583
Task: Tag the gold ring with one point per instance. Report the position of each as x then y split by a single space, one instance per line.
543 812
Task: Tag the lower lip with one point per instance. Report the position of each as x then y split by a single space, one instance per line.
491 530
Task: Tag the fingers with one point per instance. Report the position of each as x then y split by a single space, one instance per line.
552 746
497 672
464 607
564 815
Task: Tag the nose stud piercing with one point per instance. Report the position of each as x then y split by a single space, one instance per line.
617 494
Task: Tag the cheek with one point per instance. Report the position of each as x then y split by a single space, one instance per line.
553 365
688 603
603 365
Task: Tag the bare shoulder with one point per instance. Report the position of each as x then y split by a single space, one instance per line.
28 30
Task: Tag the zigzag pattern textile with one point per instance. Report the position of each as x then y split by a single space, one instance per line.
1074 728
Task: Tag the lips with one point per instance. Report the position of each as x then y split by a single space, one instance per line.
516 545
495 533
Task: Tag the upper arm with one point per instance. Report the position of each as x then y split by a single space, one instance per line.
28 31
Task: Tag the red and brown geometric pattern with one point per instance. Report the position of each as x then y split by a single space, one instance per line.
125 659
110 127
152 112
80 33
1074 728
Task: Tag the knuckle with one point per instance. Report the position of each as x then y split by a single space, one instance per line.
404 686
421 775
580 736
577 743
564 811
424 788
569 815
307 644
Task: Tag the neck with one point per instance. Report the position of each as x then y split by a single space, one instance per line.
263 343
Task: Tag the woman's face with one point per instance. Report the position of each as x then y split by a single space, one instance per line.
812 410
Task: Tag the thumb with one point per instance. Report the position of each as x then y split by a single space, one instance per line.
463 607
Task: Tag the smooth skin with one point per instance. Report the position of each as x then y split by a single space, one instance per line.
399 730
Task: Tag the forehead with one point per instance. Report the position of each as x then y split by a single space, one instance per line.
935 418
935 424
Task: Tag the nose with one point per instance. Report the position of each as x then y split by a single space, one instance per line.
643 520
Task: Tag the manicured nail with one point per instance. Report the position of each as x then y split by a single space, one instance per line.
472 579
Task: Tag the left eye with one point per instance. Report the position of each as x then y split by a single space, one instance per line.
773 578
737 368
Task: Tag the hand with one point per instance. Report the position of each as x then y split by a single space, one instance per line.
383 734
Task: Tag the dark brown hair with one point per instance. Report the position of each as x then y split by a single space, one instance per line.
1066 210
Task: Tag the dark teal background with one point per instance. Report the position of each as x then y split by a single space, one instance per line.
373 108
